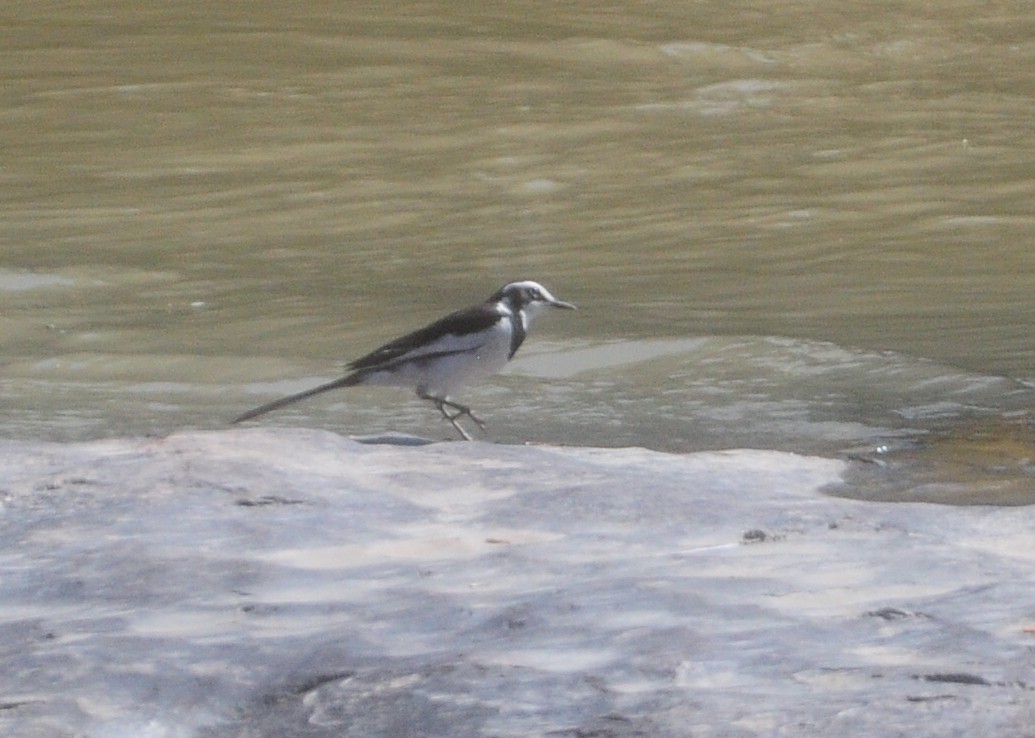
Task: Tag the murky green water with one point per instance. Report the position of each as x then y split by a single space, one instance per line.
795 226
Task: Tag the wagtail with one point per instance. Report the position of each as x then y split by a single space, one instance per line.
458 349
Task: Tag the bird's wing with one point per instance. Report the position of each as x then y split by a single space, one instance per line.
459 331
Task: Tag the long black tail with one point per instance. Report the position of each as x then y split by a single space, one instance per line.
277 404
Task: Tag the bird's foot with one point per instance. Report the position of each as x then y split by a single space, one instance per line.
461 410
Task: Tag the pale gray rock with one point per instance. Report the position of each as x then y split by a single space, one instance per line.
259 583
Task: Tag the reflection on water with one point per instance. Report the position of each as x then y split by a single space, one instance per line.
194 206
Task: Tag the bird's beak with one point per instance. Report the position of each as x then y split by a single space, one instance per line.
562 304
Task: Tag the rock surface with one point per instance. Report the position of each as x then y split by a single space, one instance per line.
297 583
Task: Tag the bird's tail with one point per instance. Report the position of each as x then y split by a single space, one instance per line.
277 404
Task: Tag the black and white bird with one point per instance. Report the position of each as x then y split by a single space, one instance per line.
458 349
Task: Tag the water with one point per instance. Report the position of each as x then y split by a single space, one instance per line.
795 227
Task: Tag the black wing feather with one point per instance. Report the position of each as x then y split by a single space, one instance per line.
460 323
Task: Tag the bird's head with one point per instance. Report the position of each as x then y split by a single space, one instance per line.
529 298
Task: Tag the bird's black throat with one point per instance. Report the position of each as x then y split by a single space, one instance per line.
517 332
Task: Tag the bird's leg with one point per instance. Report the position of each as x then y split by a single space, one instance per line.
461 410
441 405
464 410
452 420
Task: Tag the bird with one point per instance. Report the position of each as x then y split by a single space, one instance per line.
460 348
